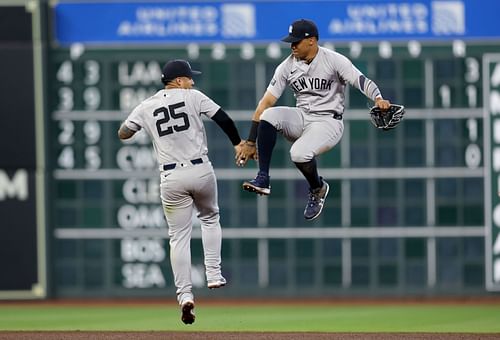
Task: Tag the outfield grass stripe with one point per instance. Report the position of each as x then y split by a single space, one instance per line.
289 318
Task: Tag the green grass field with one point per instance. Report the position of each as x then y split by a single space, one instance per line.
469 318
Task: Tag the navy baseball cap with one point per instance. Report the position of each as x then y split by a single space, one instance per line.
301 29
177 68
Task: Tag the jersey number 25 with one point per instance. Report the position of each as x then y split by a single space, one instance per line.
170 113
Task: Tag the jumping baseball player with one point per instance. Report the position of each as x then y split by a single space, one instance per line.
173 120
318 78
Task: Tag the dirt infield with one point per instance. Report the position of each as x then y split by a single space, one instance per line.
233 336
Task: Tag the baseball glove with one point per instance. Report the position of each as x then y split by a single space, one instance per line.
389 119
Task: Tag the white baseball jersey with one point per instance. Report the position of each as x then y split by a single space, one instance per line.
172 118
319 86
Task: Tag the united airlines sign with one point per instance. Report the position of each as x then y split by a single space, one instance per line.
169 22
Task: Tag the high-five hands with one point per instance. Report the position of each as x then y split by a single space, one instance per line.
244 152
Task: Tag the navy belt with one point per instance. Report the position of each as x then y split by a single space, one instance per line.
173 165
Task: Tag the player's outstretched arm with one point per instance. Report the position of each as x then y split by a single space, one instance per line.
357 79
265 102
227 125
249 150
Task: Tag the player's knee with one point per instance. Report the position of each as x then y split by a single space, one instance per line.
299 156
209 216
269 114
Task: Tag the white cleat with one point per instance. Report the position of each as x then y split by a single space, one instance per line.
217 283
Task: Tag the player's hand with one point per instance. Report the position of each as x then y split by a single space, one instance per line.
382 104
244 152
237 150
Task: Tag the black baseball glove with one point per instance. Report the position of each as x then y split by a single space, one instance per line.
389 119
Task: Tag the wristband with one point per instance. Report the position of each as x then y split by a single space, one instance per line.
252 136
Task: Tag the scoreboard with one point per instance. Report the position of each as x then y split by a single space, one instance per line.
412 211
409 207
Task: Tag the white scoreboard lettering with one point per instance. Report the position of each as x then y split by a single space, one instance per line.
142 256
15 187
492 183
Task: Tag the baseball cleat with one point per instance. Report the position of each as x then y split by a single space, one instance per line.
316 201
217 283
260 184
187 312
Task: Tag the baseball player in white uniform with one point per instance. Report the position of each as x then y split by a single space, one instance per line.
173 120
318 78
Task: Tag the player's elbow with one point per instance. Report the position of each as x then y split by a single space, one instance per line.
125 133
121 135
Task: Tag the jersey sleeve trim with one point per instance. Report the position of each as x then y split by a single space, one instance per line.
368 87
132 125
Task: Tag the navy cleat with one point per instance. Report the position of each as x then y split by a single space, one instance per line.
187 312
316 201
260 184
